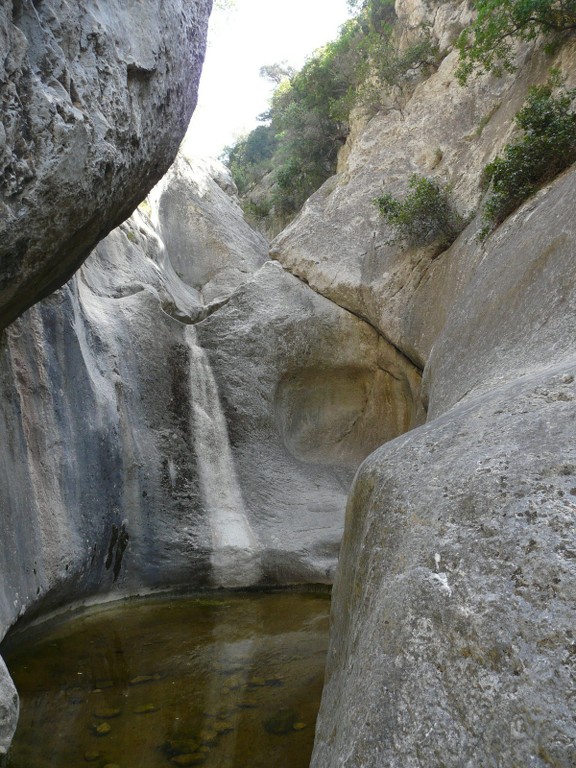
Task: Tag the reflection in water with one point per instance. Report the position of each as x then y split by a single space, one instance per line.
219 682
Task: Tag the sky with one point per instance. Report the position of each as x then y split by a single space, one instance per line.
241 39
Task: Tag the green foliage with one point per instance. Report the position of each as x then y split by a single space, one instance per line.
423 217
251 157
488 43
309 114
546 147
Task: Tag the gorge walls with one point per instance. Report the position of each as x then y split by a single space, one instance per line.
184 412
453 607
96 98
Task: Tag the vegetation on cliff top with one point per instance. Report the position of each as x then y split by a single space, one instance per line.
307 123
488 43
296 147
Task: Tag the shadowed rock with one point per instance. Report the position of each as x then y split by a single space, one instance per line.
95 100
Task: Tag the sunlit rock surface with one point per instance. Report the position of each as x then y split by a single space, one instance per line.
96 98
198 217
308 391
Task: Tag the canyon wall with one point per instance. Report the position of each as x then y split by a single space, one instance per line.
96 97
184 412
452 640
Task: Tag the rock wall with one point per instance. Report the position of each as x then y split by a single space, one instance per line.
453 611
182 413
158 440
96 98
455 591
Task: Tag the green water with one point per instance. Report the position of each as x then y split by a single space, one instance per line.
219 682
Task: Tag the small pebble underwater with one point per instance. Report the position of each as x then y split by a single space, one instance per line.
219 681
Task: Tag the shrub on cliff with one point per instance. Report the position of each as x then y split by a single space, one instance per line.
423 217
487 44
310 109
546 147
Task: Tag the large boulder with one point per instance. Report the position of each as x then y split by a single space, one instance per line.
308 390
196 212
452 638
96 97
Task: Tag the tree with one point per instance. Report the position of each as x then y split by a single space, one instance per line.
488 43
275 73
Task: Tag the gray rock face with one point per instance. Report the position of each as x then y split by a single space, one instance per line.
517 309
338 243
201 223
308 391
453 610
96 98
8 708
154 440
453 615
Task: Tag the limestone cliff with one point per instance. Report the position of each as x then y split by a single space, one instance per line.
96 97
452 623
183 412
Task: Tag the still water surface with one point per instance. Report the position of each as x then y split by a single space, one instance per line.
220 682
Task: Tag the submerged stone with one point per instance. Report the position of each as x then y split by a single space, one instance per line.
141 679
145 709
223 726
195 759
177 747
107 713
103 729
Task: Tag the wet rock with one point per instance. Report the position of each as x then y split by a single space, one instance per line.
102 729
196 759
107 713
222 726
208 736
141 679
145 709
176 747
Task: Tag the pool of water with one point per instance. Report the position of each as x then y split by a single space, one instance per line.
218 681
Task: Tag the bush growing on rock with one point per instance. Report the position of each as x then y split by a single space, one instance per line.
425 215
546 147
487 44
310 109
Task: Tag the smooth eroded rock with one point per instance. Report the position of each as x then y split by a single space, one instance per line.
453 637
96 99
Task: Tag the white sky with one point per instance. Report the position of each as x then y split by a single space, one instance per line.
241 40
